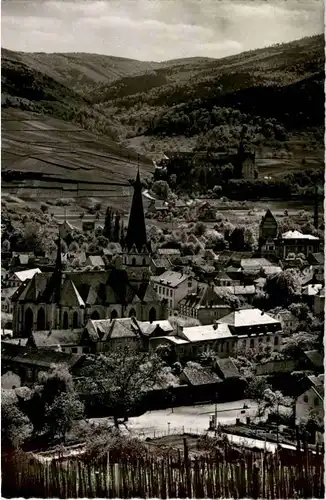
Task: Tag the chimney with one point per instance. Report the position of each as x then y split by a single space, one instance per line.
262 313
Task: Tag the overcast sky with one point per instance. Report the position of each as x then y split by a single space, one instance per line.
156 30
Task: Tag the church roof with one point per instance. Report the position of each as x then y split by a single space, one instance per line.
105 329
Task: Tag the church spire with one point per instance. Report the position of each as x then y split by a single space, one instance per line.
136 233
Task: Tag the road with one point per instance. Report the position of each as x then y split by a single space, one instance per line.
190 419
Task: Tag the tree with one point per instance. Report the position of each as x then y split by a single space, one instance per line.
161 188
116 230
55 403
108 223
5 246
15 425
272 403
121 378
281 287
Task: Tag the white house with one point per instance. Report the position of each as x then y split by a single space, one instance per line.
173 286
310 403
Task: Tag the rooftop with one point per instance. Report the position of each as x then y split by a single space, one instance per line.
247 317
28 274
206 332
171 278
296 235
196 375
147 328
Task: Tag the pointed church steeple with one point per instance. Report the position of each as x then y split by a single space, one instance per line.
136 232
57 275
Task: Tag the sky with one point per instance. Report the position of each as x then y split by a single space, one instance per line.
156 30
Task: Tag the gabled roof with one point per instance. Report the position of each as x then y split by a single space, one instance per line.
96 260
8 292
168 251
247 317
315 358
147 328
106 329
204 296
200 376
227 368
317 258
56 338
171 278
312 290
205 332
42 358
296 235
27 275
257 263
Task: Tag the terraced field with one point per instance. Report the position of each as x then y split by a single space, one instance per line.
53 158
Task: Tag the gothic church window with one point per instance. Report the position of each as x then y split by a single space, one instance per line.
152 315
29 320
114 314
41 319
75 320
65 324
132 312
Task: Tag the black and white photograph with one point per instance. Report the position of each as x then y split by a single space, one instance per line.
162 249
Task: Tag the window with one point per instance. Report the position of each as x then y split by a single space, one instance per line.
316 402
160 290
222 346
144 261
276 341
268 339
133 262
227 346
75 320
252 343
65 321
170 293
170 303
305 399
74 349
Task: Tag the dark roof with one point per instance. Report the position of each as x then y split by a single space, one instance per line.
200 376
42 358
315 357
203 296
106 329
316 258
84 287
227 368
56 337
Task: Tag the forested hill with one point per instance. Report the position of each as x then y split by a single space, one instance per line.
277 92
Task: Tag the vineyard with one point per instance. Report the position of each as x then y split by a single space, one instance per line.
227 473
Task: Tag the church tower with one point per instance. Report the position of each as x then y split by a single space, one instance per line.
137 250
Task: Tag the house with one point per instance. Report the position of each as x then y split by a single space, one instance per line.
232 386
168 252
65 229
253 328
296 242
204 304
313 360
173 286
6 303
316 261
202 382
60 340
160 265
105 335
268 231
14 279
309 292
287 320
22 260
309 403
319 303
191 342
95 261
27 362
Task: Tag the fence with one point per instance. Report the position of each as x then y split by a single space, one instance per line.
227 474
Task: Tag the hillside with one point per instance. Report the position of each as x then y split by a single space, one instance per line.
50 158
277 93
80 71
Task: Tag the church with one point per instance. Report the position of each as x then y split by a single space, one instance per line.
67 300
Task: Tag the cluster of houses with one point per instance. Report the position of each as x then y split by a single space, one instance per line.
145 300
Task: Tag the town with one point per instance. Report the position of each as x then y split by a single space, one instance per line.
162 249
